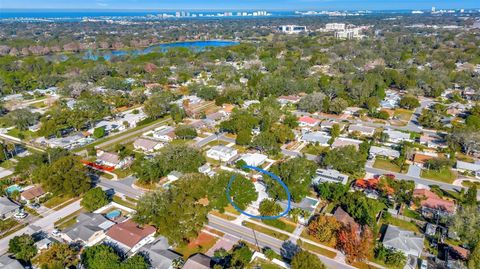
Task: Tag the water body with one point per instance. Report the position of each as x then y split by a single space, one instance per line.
192 45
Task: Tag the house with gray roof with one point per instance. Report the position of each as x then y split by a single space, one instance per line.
383 151
395 136
316 137
8 263
158 254
89 230
330 176
198 261
469 167
363 130
7 208
407 242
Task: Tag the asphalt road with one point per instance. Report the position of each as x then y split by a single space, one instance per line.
123 186
263 240
46 223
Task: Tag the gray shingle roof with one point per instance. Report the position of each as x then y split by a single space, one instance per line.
158 254
6 205
87 224
406 241
9 263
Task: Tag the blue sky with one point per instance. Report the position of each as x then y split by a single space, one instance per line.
238 4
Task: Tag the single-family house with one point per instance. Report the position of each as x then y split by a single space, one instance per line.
404 241
371 187
433 141
174 175
391 99
129 236
254 159
158 254
32 194
327 125
111 159
198 261
432 204
8 263
163 133
352 110
343 142
146 145
395 136
469 167
331 176
89 229
420 158
7 208
43 244
362 130
345 219
288 99
222 153
306 121
319 138
383 151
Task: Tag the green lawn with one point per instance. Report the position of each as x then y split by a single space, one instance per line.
387 165
412 214
444 175
406 225
264 264
266 231
468 184
126 203
7 224
281 224
316 249
56 201
122 173
403 114
223 216
313 149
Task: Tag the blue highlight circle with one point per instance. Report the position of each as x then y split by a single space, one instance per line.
272 176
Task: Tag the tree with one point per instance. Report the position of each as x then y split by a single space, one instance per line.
100 257
470 198
465 224
242 191
324 228
473 121
306 260
241 255
409 102
94 199
244 137
58 255
356 247
296 173
311 102
345 159
22 247
361 208
99 132
66 176
185 132
158 105
266 142
474 258
21 118
389 256
178 215
269 207
338 105
177 113
335 131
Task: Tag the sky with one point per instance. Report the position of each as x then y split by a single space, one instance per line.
239 4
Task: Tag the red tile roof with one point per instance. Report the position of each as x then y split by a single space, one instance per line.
308 120
433 201
372 183
129 233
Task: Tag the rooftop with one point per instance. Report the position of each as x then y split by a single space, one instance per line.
129 233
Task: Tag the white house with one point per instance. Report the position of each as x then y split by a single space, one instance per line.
331 176
306 121
397 136
363 130
254 159
316 137
129 236
146 145
343 142
111 159
222 153
383 151
470 167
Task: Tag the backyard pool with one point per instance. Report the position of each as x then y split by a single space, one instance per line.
113 214
13 188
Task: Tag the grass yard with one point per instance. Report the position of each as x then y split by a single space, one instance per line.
22 134
316 249
387 165
266 231
122 173
232 210
469 184
7 224
403 114
281 224
406 225
120 201
56 201
202 244
313 149
223 216
443 175
412 214
264 264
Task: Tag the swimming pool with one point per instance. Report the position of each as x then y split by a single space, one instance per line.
113 214
13 188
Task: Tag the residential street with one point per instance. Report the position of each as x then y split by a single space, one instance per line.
45 223
246 234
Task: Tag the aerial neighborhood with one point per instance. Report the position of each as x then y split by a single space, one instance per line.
313 140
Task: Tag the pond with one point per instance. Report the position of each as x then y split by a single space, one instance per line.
192 45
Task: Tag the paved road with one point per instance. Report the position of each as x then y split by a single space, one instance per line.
123 186
419 180
45 223
246 234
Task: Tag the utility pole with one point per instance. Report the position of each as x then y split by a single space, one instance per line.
256 241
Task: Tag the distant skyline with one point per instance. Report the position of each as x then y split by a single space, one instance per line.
238 4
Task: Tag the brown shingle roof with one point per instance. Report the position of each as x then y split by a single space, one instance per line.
32 193
344 218
129 233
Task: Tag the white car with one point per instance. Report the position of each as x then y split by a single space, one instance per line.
20 215
56 232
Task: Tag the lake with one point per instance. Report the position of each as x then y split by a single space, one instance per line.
192 45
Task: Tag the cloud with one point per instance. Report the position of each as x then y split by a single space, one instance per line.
102 4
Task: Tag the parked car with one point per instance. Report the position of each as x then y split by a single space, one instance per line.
56 232
20 215
35 206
